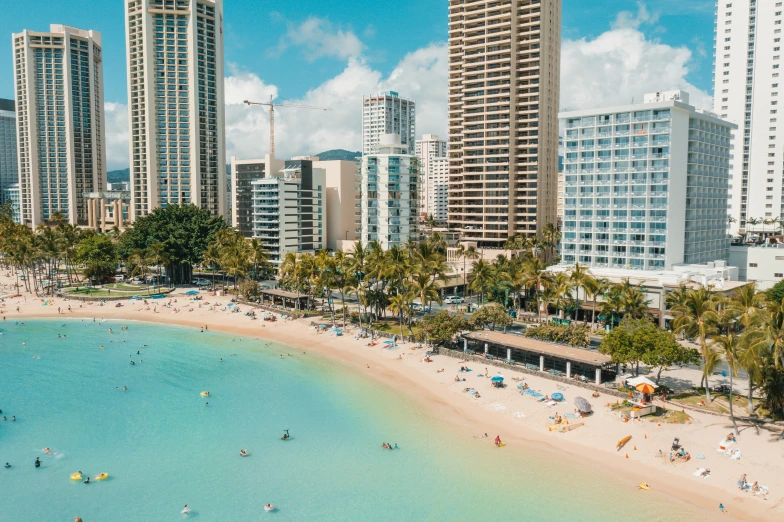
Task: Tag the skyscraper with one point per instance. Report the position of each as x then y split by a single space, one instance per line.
387 113
504 80
60 122
9 173
175 93
389 204
746 90
427 150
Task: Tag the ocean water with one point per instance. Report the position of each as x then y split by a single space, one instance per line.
163 447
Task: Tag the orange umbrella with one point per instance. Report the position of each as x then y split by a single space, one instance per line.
645 388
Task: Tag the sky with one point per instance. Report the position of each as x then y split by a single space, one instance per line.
331 52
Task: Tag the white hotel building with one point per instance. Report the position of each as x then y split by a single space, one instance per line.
389 204
387 113
60 122
176 104
748 85
645 185
431 151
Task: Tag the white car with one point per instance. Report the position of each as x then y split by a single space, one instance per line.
119 278
201 282
453 299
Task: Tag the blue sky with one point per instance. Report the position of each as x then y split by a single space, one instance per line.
331 52
254 30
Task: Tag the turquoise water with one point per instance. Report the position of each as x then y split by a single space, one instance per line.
163 448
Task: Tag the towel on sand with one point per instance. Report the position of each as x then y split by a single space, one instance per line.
699 473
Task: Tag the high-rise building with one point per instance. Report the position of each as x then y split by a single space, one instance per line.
437 186
9 173
341 201
645 185
243 173
60 122
289 210
504 80
427 149
390 197
387 113
11 193
176 104
747 60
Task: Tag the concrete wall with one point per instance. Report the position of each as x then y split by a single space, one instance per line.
764 265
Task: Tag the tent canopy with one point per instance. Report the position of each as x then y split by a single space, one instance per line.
640 380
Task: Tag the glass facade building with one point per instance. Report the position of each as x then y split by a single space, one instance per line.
9 173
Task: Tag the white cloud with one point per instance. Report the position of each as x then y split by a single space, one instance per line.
116 125
620 65
319 38
611 69
420 75
629 20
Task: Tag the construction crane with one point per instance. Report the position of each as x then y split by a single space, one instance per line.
272 106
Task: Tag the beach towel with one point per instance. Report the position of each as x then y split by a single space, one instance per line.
699 472
736 455
763 490
535 395
551 403
573 416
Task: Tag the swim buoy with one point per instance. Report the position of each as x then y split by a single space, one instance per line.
101 476
269 507
76 476
205 394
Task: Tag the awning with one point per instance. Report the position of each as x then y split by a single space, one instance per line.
634 382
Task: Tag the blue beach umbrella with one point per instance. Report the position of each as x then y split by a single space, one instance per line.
497 378
192 292
557 396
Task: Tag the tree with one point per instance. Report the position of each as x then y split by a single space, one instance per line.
442 327
398 304
697 317
535 278
776 292
185 231
594 288
728 347
580 277
99 254
639 340
466 253
249 288
482 277
490 315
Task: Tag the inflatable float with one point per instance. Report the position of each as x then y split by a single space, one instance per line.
269 507
76 476
644 486
622 442
205 394
101 476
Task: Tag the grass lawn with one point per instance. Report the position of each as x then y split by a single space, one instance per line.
123 286
111 292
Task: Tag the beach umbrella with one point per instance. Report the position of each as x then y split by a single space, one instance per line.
557 396
192 292
497 378
645 388
582 405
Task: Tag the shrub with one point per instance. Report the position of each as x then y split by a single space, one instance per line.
573 334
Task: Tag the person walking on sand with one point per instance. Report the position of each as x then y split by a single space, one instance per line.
497 440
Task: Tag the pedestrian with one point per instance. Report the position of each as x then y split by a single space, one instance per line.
722 508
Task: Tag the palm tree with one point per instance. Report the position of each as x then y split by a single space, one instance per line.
728 347
579 276
550 237
697 317
482 277
138 261
156 254
594 288
769 337
535 278
559 289
398 304
466 253
746 302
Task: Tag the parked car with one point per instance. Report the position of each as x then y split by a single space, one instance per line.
721 388
453 299
201 282
119 278
417 307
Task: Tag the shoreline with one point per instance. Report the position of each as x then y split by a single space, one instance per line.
397 369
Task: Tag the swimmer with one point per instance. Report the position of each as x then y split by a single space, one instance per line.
7 465
87 481
13 419
125 388
47 451
37 462
243 453
207 404
132 363
185 510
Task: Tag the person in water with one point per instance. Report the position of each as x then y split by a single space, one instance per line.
395 446
497 440
37 462
7 465
243 453
87 481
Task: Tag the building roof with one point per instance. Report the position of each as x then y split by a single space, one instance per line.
284 293
532 345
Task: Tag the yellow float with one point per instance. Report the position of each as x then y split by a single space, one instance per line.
205 394
101 476
76 476
644 486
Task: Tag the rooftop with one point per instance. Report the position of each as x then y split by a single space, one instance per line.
532 345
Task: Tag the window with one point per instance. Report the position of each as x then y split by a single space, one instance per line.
752 265
778 274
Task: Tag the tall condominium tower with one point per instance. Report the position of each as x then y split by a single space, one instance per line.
747 76
504 72
175 93
427 150
60 122
387 113
9 173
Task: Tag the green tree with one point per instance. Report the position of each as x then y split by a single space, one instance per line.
98 253
442 327
185 231
697 317
776 292
491 315
729 347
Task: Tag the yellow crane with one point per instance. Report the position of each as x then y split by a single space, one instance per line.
272 106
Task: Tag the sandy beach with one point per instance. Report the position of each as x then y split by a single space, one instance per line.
520 420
